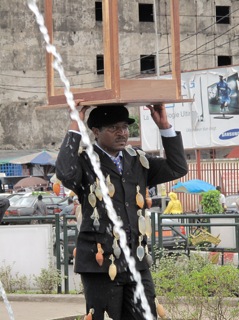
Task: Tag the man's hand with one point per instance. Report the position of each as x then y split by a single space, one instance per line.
159 115
74 124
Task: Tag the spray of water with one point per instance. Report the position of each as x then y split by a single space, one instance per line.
6 302
57 64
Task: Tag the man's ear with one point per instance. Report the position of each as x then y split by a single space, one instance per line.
95 131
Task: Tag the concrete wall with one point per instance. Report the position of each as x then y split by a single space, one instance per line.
78 38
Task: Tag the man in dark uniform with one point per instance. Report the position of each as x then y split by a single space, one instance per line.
4 204
130 176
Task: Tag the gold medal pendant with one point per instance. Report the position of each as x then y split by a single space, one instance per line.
130 151
110 186
139 198
143 160
92 197
160 309
106 316
95 216
112 268
141 222
140 249
116 248
98 191
99 255
148 225
89 315
148 257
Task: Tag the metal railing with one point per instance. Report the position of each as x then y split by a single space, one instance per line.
187 220
60 226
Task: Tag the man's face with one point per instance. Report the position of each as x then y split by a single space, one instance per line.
112 138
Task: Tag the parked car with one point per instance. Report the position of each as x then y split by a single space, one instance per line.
24 206
231 203
13 197
61 205
4 195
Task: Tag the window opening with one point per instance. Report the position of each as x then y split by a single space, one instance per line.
147 64
100 64
98 11
222 14
224 61
146 12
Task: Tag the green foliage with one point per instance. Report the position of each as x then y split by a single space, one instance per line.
134 128
13 282
48 280
195 288
210 202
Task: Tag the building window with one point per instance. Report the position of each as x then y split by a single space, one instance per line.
224 61
98 11
147 64
146 12
222 14
100 64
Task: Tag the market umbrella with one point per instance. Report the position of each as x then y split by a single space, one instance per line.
30 182
42 158
193 186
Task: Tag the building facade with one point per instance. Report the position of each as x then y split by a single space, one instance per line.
209 36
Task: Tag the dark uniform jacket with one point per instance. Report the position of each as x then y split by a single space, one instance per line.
75 171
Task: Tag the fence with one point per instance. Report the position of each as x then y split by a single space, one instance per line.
155 241
224 173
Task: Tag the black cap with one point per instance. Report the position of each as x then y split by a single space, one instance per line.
106 115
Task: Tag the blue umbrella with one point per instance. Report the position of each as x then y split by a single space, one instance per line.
193 186
42 158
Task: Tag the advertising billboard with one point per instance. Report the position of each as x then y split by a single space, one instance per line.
210 121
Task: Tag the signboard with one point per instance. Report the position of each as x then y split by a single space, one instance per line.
212 120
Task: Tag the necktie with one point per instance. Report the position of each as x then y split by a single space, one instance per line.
118 163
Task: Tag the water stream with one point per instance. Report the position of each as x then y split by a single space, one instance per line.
6 302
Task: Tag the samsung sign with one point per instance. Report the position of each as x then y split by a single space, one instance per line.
210 121
229 134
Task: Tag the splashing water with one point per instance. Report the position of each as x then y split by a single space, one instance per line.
57 64
6 302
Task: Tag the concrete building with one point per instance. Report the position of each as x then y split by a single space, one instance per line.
209 38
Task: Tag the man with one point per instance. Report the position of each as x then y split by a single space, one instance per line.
69 208
4 204
222 199
130 177
40 207
223 94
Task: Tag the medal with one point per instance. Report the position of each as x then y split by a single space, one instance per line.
148 225
91 197
112 269
116 248
130 151
139 198
98 191
110 186
141 222
99 255
95 216
140 249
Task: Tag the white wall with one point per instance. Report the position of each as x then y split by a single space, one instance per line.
26 248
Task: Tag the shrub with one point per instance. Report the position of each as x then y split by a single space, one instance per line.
48 280
195 288
13 282
210 202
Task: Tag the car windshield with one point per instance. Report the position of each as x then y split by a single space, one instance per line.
25 202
